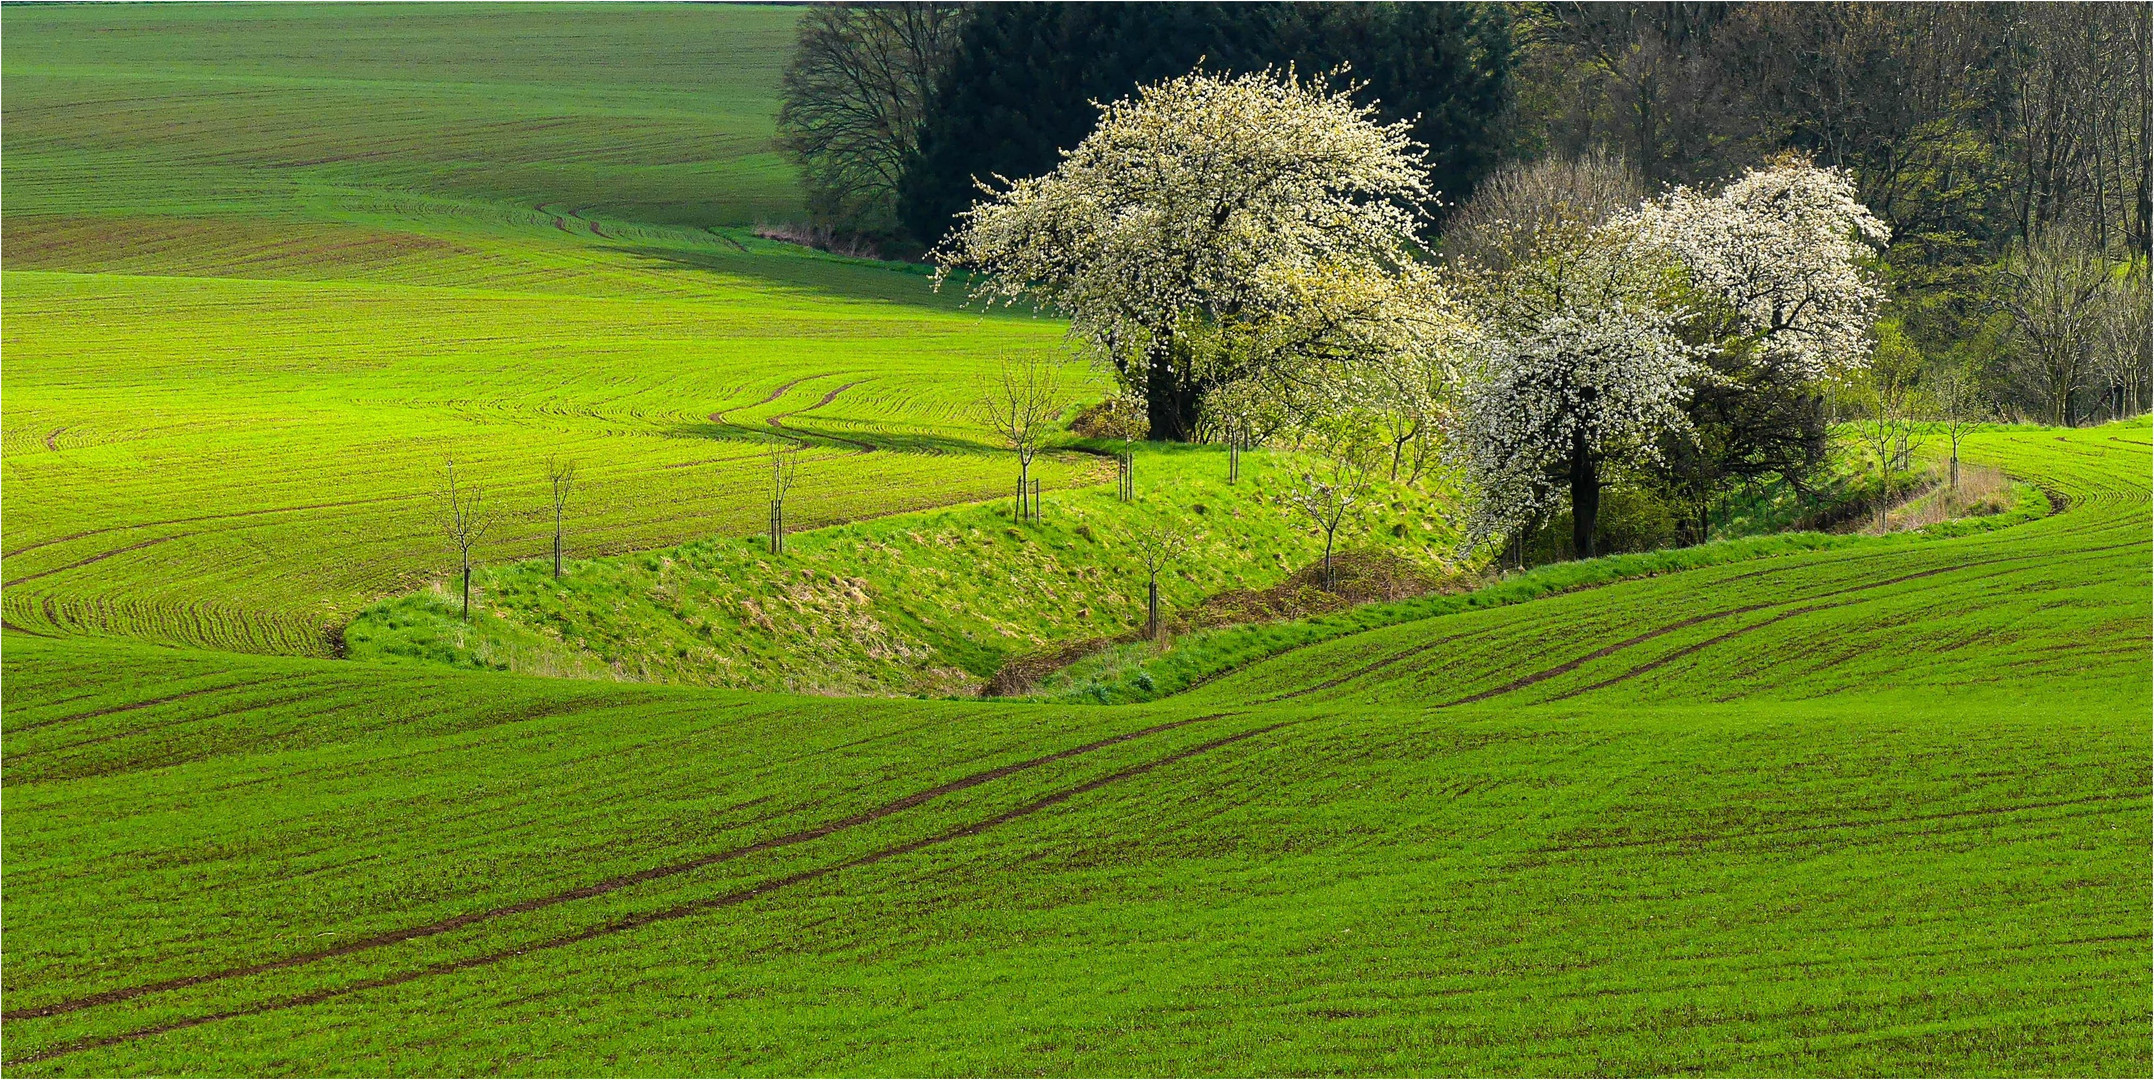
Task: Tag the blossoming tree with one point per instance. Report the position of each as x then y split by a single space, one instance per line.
1256 202
1687 337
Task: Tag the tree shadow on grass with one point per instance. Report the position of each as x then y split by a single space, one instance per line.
809 272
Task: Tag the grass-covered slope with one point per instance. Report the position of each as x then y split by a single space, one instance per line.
266 268
932 602
1893 821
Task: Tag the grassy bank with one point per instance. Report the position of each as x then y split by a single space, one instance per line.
924 603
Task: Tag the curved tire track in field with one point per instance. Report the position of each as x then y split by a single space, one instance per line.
647 918
863 446
600 888
131 706
207 517
1572 665
719 416
99 557
1700 646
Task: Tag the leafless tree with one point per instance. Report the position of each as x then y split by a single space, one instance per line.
1522 207
1020 403
560 473
2126 340
784 473
1888 427
1157 546
2054 291
464 518
853 100
1958 406
1328 492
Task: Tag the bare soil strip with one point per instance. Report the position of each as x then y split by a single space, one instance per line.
600 888
638 921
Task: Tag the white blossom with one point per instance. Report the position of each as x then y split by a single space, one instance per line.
1780 251
1203 200
1577 347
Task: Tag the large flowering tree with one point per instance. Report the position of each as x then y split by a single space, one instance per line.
1212 228
1580 366
1783 301
1687 339
1780 253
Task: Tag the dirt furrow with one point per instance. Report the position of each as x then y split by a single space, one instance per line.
133 705
643 919
599 888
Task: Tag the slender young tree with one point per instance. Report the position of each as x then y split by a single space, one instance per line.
784 473
561 474
464 519
1021 403
1157 546
1956 407
1329 493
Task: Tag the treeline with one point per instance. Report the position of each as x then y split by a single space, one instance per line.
2005 145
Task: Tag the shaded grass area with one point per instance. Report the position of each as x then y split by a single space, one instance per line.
1903 831
934 602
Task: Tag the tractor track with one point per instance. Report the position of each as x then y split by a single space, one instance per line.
1605 651
99 557
131 706
643 919
599 888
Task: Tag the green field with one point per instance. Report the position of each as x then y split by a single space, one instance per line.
1786 805
1873 809
267 268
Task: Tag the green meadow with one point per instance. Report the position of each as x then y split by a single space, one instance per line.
227 415
1871 809
1798 804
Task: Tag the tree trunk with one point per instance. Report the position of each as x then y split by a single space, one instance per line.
467 590
1585 494
1955 468
557 549
1170 402
1331 583
1151 608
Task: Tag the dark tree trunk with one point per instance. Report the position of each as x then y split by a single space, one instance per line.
1585 494
467 592
1170 400
1151 608
557 550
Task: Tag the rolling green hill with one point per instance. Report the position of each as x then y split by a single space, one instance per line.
1873 809
267 268
1800 805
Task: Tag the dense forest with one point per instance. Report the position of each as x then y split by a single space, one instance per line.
2004 145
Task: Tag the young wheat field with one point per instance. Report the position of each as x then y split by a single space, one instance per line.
1862 805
